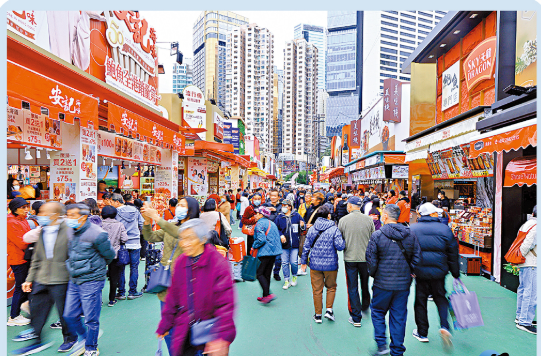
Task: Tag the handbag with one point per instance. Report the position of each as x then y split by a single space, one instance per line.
159 276
201 331
465 307
221 230
248 229
123 256
514 255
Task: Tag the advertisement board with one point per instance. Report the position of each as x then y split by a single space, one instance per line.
218 126
453 163
195 111
400 172
450 84
526 49
392 100
114 146
88 159
197 176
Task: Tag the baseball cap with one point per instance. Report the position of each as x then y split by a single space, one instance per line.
429 208
287 202
263 211
355 201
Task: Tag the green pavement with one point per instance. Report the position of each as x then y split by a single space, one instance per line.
285 327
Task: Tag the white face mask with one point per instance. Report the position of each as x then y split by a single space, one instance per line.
16 187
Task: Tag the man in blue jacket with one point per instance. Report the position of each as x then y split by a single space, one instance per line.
392 254
89 253
440 255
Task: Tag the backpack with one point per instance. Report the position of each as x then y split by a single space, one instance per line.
514 255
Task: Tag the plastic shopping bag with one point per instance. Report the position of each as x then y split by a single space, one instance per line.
464 307
250 264
159 350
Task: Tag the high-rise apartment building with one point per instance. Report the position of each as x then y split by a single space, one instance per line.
182 75
209 48
316 36
280 75
250 62
300 100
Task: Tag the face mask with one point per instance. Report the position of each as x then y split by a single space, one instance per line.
181 213
285 210
16 187
257 202
222 200
43 220
73 223
301 196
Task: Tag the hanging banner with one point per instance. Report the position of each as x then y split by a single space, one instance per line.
88 164
521 171
356 133
392 100
64 167
454 163
25 126
113 146
511 140
195 111
218 126
480 63
400 172
197 176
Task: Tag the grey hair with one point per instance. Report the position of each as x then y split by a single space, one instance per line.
199 227
83 209
58 207
392 211
118 198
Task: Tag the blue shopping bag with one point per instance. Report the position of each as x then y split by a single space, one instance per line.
464 307
250 264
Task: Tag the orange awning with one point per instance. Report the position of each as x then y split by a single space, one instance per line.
520 171
271 177
505 140
207 145
336 172
394 158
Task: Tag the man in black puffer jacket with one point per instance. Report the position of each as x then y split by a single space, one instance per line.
392 255
341 209
440 255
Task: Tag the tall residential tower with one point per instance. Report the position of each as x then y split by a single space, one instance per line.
316 36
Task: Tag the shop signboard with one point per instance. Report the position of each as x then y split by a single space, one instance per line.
227 132
392 100
526 49
450 91
235 140
376 132
480 63
122 148
24 23
195 111
400 172
453 163
218 126
88 159
355 134
197 176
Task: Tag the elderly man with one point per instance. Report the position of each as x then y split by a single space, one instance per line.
133 222
356 228
392 255
48 278
89 252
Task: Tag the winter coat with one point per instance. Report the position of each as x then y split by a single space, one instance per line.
117 233
95 219
356 228
168 234
385 261
445 203
324 256
268 243
341 210
302 209
248 216
289 226
225 208
89 253
214 297
366 200
529 245
405 207
133 222
439 249
211 219
274 214
391 200
244 203
309 212
17 226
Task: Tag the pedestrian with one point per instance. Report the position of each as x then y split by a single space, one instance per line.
527 289
133 222
138 203
216 220
321 245
89 252
224 207
17 226
169 214
275 207
341 209
300 199
94 216
47 279
290 224
233 202
303 207
443 216
310 217
368 204
106 199
404 204
248 218
267 246
244 202
356 228
445 203
187 209
201 289
439 249
117 236
375 214
391 198
238 205
392 255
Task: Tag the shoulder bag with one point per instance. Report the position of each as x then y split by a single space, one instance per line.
123 256
514 255
159 276
220 229
248 229
201 331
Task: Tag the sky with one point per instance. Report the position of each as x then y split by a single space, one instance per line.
174 26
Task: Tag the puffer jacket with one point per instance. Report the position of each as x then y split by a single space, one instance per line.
385 261
133 222
290 227
268 243
89 252
324 256
117 233
341 210
95 219
439 249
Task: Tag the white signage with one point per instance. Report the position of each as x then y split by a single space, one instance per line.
400 172
450 86
195 111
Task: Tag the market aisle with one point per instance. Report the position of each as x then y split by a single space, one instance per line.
285 327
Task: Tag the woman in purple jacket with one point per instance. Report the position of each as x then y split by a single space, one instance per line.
213 294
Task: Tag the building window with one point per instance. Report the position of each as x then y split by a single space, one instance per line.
392 12
407 34
405 54
388 69
407 22
408 16
424 14
423 32
388 17
388 75
425 26
389 24
441 13
389 37
407 41
389 30
407 28
388 50
405 78
387 63
386 56
438 18
425 20
388 43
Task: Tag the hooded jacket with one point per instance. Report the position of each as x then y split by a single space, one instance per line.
289 226
386 263
17 226
341 210
268 243
277 207
133 222
439 248
117 233
324 256
405 207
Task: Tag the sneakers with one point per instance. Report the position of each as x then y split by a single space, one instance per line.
384 350
18 321
78 348
430 298
112 303
92 353
25 307
286 285
32 349
329 315
26 335
446 338
528 328
135 296
356 324
301 273
534 322
56 325
67 346
277 277
269 298
317 319
294 281
421 338
143 259
120 297
259 299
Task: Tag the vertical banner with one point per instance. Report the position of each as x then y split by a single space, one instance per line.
88 164
197 176
64 179
166 178
450 91
392 100
15 124
355 134
498 218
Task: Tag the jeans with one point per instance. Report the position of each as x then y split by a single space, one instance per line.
354 271
114 275
395 301
277 265
527 295
290 257
264 273
42 299
19 297
169 337
436 288
232 217
134 274
84 299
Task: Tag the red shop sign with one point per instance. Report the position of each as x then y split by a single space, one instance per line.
481 62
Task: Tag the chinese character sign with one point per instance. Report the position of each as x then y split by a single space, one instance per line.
195 111
480 63
355 133
88 163
392 100
450 87
24 23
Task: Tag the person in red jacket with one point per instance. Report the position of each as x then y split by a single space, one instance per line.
17 227
392 199
248 218
405 207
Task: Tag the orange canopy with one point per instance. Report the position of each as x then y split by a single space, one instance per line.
510 140
520 171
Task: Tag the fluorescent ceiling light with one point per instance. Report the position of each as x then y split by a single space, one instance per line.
443 45
456 32
473 16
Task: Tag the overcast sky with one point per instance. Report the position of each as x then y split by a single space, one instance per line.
178 26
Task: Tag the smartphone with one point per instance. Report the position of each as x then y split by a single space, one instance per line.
148 198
